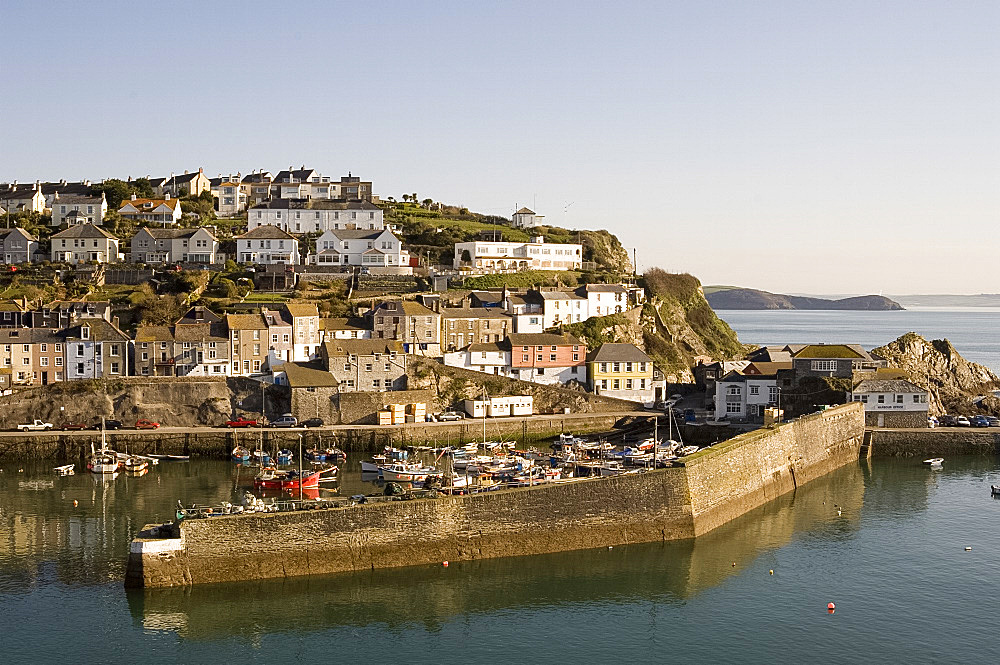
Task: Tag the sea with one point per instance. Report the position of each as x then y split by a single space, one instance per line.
974 331
908 556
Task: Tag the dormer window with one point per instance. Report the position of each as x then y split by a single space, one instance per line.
85 332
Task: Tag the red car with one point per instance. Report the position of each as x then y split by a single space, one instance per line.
69 426
146 424
241 422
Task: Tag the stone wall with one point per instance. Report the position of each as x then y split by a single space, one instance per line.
744 472
713 487
935 442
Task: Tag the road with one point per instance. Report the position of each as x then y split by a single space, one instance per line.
569 417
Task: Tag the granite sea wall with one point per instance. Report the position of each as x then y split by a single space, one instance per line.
711 488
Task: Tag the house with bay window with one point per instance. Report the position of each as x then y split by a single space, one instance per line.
267 245
378 249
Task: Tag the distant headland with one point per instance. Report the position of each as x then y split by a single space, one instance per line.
731 297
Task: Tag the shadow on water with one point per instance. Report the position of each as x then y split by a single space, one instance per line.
669 572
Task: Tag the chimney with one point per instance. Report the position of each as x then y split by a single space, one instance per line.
201 169
56 197
133 196
168 196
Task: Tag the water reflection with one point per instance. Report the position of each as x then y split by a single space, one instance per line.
431 595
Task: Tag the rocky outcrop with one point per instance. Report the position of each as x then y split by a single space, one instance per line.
178 402
606 251
753 299
951 380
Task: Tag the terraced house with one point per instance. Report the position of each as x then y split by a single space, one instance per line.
366 365
84 243
72 209
16 355
416 326
313 215
95 349
461 326
248 340
622 371
155 246
547 358
267 245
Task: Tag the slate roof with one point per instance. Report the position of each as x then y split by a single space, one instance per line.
266 231
100 330
524 211
308 375
561 295
488 347
154 334
887 386
829 351
362 347
140 204
199 314
472 313
197 332
316 204
542 339
173 234
334 323
603 288
300 175
357 234
245 322
84 231
70 199
767 368
402 308
4 233
618 353
301 309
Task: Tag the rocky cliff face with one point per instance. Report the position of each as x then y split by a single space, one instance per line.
952 381
606 250
672 327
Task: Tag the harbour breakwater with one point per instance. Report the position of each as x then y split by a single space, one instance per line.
709 489
935 442
217 443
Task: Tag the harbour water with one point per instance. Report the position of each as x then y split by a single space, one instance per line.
893 560
971 330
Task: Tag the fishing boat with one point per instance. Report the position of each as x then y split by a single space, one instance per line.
136 465
241 454
687 450
261 457
65 470
406 473
272 479
284 456
315 455
995 490
336 456
934 462
103 461
611 468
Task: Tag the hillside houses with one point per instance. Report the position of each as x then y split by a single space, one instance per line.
155 246
152 211
488 256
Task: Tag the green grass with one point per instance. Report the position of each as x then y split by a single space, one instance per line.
258 296
715 288
523 279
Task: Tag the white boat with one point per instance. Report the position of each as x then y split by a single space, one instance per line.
103 461
687 450
611 468
405 473
65 470
934 461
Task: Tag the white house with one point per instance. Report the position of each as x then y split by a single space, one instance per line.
302 215
267 245
83 243
357 247
152 245
23 199
744 397
891 402
526 219
495 256
563 308
605 299
491 358
155 211
527 312
230 195
73 209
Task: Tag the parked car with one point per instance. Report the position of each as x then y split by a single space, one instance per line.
142 423
74 425
947 421
450 415
962 421
980 421
108 424
35 425
689 416
241 422
994 421
932 421
313 422
286 420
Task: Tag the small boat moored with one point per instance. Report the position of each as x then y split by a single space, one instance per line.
934 462
995 490
136 465
240 454
65 470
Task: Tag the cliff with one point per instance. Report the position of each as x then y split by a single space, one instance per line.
674 325
952 381
739 298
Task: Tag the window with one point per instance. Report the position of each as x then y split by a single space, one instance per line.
628 384
616 385
881 399
368 367
733 390
616 367
114 368
79 349
604 367
145 356
376 383
58 362
45 347
552 358
824 366
25 361
733 407
899 399
114 349
628 367
864 399
26 348
754 390
604 384
45 363
387 367
772 393
576 356
79 368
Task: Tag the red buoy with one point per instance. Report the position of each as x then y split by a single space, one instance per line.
444 563
831 606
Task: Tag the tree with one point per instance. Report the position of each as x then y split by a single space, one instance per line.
427 203
115 191
466 257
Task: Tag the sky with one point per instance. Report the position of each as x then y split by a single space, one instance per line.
807 147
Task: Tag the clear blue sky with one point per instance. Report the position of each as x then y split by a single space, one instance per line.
825 147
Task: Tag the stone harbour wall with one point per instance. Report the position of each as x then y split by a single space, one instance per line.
937 442
713 487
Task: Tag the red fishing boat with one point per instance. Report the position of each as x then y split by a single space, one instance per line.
272 479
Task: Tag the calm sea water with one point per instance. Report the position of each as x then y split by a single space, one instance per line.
974 331
893 561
